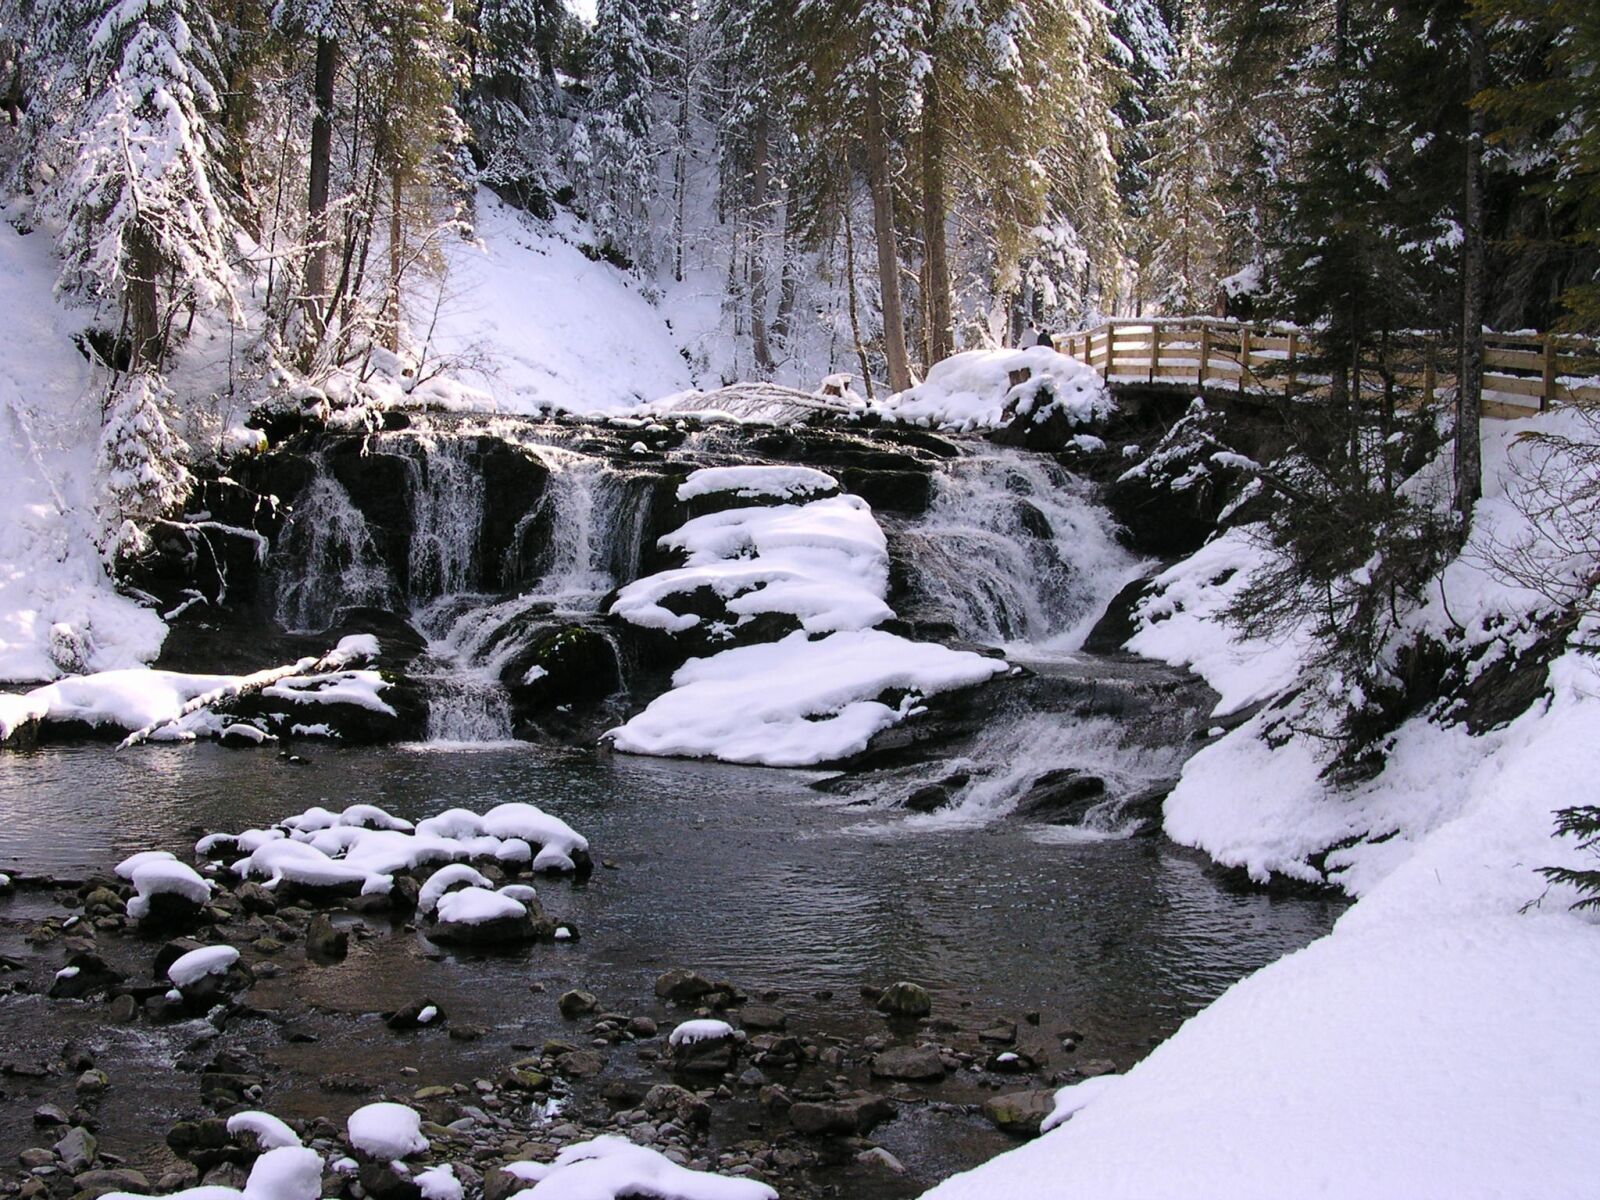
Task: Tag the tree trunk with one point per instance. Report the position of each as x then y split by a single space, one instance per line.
397 242
1469 390
144 307
760 185
850 282
878 182
935 217
317 193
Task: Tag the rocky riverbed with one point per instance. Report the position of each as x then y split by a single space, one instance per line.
547 1044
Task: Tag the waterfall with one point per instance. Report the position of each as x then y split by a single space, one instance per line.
595 518
333 560
1013 550
446 518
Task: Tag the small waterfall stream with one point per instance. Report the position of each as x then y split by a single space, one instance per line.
1013 552
574 543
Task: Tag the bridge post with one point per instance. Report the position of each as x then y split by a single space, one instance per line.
1294 349
1205 354
1429 380
1244 356
1155 351
1547 391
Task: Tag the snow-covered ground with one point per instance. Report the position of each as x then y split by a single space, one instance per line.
58 610
1439 1042
525 318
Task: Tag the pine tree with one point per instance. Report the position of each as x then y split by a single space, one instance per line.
1185 212
142 198
139 467
624 53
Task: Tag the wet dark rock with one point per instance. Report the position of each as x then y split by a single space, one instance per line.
1011 1062
905 999
707 1057
1020 1113
581 1064
187 1139
90 1185
49 1114
1060 797
124 1010
170 911
36 1156
678 1105
679 986
501 931
78 1149
92 1082
575 1003
1003 1033
642 1027
846 1116
1116 625
410 1016
324 943
383 1182
763 1016
909 1062
908 493
85 974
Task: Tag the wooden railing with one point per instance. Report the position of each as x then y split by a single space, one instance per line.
1523 372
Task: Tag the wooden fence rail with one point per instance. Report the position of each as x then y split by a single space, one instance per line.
1524 373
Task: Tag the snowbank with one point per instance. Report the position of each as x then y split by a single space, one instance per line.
748 483
284 1173
613 1168
825 563
364 847
386 1131
797 702
189 969
973 390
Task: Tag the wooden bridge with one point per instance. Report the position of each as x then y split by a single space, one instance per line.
1524 373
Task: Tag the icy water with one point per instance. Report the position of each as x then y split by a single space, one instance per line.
740 873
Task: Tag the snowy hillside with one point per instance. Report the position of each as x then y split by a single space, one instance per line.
58 610
522 315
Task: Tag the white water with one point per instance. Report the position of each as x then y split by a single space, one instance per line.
1014 552
337 564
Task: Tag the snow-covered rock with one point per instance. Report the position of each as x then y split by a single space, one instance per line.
973 390
385 1131
797 702
270 1133
613 1168
189 969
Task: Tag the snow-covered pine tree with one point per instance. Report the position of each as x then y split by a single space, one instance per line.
1185 213
137 188
513 102
620 169
139 467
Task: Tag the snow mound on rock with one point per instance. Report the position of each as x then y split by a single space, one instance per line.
973 390
613 1168
797 702
385 1131
189 969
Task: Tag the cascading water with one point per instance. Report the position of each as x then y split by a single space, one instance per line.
573 545
334 559
1014 552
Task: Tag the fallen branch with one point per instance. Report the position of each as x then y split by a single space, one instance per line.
244 685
